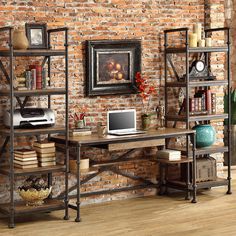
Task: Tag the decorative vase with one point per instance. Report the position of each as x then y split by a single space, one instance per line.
146 121
205 135
20 40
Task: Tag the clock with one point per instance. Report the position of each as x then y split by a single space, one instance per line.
199 65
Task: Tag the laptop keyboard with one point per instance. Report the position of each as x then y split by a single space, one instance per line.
127 133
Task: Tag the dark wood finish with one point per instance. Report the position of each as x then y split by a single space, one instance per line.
33 53
36 92
21 208
36 131
31 171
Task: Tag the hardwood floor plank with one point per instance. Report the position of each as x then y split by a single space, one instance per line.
214 214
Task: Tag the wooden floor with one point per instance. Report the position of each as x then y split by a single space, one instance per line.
214 214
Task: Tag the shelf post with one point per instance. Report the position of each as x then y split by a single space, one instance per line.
194 185
78 147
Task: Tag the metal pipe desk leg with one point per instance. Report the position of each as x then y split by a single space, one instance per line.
78 183
194 200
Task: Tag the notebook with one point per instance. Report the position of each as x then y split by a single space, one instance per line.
122 122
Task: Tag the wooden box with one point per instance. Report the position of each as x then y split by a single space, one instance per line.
205 169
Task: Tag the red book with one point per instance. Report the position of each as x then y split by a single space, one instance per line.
208 101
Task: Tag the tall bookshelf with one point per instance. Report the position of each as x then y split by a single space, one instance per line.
14 208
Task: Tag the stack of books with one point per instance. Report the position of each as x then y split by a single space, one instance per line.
167 154
20 83
25 158
80 132
46 153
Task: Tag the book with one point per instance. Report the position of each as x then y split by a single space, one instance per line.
80 133
44 155
50 163
25 162
168 154
45 150
46 159
25 158
25 166
24 151
33 78
21 88
25 155
44 144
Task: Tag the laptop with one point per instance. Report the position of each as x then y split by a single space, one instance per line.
122 122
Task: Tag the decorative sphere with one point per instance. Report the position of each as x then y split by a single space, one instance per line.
205 135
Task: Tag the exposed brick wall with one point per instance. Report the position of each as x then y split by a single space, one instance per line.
106 19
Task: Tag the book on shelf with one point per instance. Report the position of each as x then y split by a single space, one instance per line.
24 151
25 158
25 155
46 159
49 163
25 162
44 155
168 154
44 144
38 80
45 150
25 166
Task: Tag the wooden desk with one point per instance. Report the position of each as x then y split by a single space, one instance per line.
111 142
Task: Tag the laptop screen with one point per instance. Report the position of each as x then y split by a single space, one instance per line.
122 120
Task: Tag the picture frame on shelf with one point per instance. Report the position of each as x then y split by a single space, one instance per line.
37 35
111 66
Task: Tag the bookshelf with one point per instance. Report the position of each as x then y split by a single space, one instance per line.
13 208
191 85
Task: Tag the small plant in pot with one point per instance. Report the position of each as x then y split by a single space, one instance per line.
34 190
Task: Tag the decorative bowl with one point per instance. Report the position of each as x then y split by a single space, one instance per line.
34 197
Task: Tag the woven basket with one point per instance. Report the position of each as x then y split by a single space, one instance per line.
34 197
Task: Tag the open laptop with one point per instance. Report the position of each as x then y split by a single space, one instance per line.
122 122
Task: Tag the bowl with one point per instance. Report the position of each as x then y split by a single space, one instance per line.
34 197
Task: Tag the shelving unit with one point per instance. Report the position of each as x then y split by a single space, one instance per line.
188 83
13 208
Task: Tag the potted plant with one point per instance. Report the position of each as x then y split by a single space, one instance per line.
145 91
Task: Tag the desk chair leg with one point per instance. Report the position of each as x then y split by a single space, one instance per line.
78 184
166 178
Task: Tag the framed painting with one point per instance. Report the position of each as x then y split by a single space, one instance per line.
111 66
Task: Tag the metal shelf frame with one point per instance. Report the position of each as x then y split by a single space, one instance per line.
198 82
10 209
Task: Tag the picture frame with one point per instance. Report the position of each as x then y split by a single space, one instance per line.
111 66
37 35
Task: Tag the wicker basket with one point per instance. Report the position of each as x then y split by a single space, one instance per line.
34 197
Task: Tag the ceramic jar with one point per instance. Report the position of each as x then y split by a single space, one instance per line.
20 40
146 121
205 135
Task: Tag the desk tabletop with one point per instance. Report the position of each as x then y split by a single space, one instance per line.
149 135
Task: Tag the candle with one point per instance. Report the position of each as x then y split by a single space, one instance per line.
192 40
208 42
197 29
201 43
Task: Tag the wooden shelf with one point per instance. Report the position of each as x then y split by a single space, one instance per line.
33 52
198 83
206 150
200 185
196 117
183 160
36 92
171 50
21 208
36 170
37 131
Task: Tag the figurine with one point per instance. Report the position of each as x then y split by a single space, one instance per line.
160 109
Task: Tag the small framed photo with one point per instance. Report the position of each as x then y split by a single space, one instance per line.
37 35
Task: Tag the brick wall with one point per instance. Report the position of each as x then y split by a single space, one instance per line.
106 19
